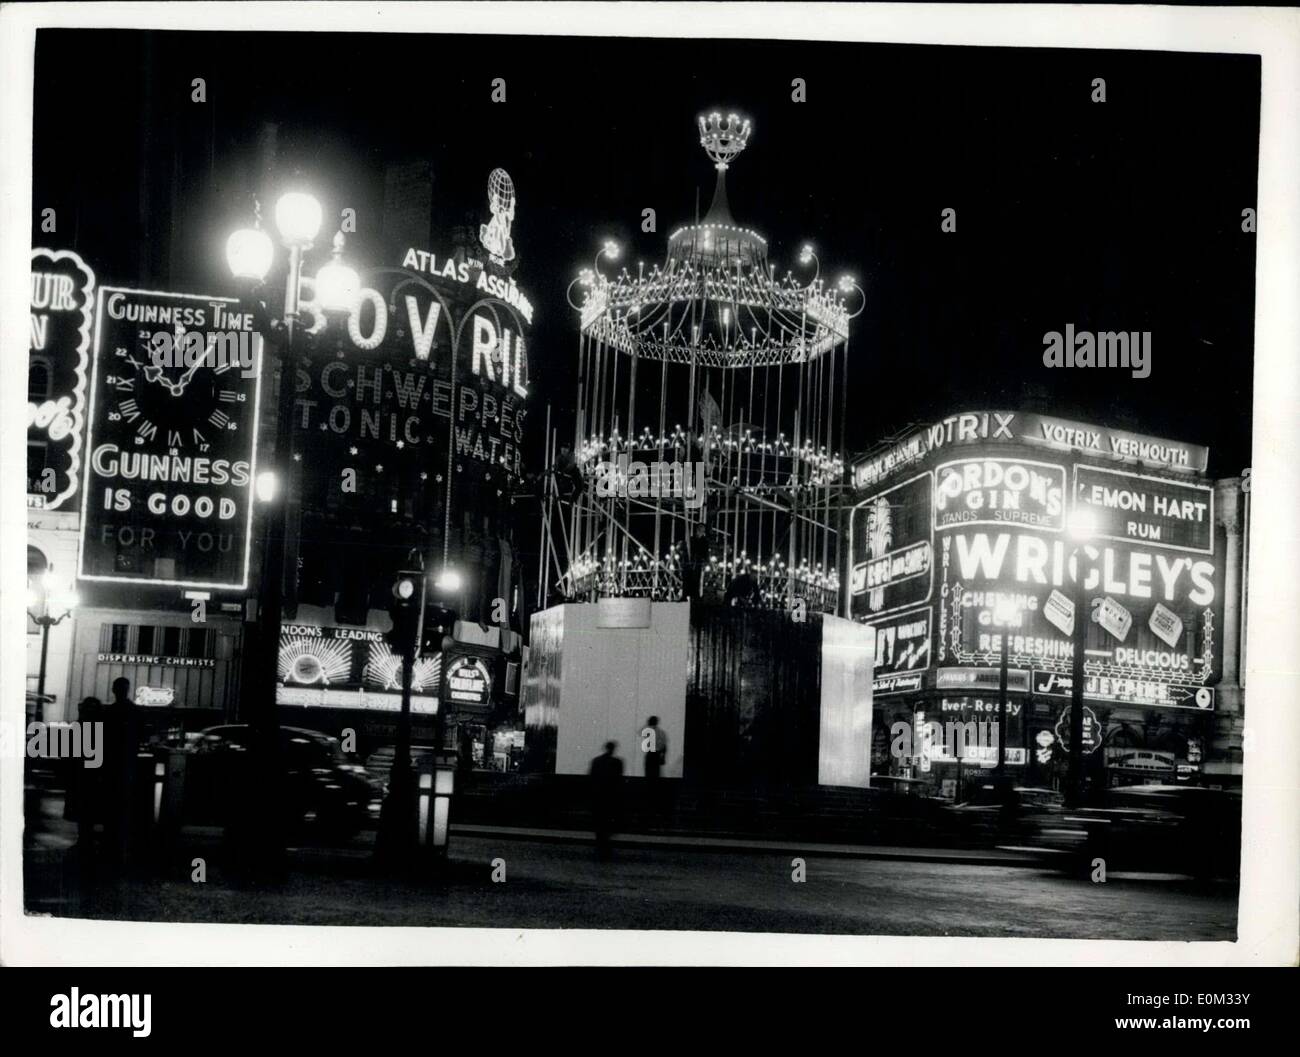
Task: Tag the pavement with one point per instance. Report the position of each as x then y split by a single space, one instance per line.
516 877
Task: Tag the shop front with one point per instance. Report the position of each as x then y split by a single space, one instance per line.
339 679
183 674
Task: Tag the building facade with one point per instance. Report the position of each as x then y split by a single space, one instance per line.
408 430
63 296
960 538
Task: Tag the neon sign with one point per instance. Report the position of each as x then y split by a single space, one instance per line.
468 682
999 492
168 486
62 293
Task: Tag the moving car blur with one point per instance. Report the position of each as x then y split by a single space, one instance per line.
994 814
1178 828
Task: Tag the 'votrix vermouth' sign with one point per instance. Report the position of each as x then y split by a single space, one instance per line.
171 445
1042 431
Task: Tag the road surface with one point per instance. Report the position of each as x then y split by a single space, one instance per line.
555 885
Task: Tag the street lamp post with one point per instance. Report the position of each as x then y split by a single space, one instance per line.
846 284
1082 528
298 218
250 254
1006 614
43 603
448 585
397 839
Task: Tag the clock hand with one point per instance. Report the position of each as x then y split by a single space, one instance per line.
178 387
153 373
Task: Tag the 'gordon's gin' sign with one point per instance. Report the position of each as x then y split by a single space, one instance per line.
62 299
171 442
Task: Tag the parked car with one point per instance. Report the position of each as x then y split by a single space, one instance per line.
1178 828
1145 761
320 787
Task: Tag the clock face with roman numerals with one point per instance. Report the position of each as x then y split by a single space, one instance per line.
177 408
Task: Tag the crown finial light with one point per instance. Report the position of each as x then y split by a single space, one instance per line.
723 141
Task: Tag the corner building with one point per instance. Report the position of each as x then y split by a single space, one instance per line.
958 535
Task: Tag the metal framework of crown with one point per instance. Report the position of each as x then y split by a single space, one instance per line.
723 142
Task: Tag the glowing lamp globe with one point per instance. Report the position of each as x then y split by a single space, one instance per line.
337 287
266 486
249 253
449 580
298 218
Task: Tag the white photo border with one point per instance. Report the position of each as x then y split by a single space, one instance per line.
1269 916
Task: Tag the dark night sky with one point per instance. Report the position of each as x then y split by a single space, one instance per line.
1117 216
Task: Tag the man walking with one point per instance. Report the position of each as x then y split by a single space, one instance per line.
654 746
606 792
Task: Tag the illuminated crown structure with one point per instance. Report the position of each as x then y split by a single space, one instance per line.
710 358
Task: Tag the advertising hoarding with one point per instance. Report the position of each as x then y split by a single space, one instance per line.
172 440
349 667
467 683
1152 617
1150 690
62 309
902 650
449 366
1034 430
999 492
1153 611
891 549
1154 511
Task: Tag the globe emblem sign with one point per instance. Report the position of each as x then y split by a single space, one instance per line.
495 234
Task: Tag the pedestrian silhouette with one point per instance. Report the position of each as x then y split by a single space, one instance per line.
654 746
85 785
121 741
606 796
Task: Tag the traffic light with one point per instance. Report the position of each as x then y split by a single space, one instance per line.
404 610
439 621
